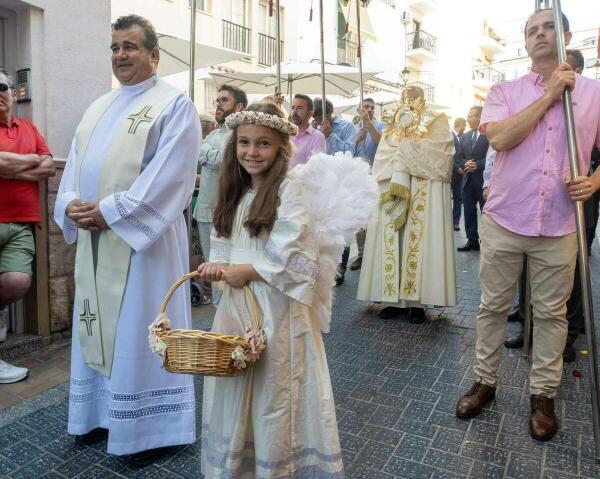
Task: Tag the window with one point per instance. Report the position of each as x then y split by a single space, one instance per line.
201 5
267 25
236 11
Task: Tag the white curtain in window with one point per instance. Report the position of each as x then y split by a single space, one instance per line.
235 11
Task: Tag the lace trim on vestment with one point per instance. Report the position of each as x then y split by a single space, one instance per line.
132 219
147 208
133 401
297 262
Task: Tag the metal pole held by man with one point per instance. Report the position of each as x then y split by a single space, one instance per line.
586 285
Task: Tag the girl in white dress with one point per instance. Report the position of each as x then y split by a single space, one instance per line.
277 419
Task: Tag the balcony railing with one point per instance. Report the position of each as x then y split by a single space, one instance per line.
266 49
486 72
347 52
428 89
236 37
421 39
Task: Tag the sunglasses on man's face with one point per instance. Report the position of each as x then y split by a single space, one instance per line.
4 87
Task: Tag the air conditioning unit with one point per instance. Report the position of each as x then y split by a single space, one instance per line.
406 17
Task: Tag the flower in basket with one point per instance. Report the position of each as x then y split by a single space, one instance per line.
239 358
257 341
161 323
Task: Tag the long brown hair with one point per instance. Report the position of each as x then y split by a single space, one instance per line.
234 182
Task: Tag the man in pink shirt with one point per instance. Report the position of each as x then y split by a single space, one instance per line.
309 140
530 211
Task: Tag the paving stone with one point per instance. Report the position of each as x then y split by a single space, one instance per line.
552 474
448 440
374 455
37 467
487 454
381 434
481 470
561 458
440 474
407 469
412 447
448 462
449 421
22 452
523 467
415 427
522 444
482 432
386 416
350 442
98 472
351 423
418 410
79 463
365 472
420 395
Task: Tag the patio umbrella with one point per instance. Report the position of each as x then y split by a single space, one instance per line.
296 76
175 55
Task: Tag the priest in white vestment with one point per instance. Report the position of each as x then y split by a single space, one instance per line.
129 176
408 261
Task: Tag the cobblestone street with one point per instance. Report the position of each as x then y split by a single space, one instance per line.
395 385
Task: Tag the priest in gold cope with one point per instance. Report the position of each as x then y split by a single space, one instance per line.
408 261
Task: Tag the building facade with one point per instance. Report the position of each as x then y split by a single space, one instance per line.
58 52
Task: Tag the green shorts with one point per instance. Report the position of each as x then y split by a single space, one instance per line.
17 248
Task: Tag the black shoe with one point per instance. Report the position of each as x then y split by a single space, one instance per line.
514 316
93 437
569 354
339 276
469 246
515 342
145 458
391 312
456 228
416 316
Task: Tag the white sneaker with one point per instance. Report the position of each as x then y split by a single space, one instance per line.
11 374
3 323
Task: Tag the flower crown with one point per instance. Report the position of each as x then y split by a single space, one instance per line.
264 119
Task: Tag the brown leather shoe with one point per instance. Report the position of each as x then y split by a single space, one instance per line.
471 404
542 422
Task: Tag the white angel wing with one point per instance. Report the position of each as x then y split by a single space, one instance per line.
340 195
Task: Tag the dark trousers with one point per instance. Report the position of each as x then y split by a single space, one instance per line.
574 303
472 194
456 184
345 255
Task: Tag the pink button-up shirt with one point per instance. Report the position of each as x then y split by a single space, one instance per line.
307 143
528 194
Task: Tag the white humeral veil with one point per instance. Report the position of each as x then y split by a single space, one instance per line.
408 258
142 406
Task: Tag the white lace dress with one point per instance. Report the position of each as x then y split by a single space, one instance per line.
277 420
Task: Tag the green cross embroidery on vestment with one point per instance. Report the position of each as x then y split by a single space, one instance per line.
87 316
138 118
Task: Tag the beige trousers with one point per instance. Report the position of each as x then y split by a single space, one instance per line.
552 265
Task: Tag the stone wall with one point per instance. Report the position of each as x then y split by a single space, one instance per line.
61 265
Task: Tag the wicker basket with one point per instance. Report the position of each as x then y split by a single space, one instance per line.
201 352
